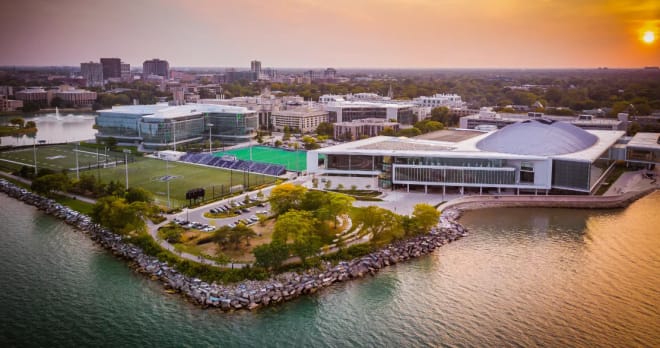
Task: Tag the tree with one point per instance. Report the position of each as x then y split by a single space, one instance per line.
328 184
246 200
325 128
46 184
285 197
119 216
115 188
241 233
425 216
409 132
383 225
271 255
138 194
17 121
388 131
30 106
260 195
299 226
310 143
427 126
278 143
111 143
30 124
338 204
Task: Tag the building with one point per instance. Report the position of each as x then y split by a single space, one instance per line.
644 149
487 117
9 104
156 67
302 119
368 127
255 69
92 73
533 156
7 91
111 68
437 100
126 72
330 74
73 97
161 126
345 111
34 95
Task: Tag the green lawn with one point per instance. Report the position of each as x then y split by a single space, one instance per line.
150 174
292 160
56 157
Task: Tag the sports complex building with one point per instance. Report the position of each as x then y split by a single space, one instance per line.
162 126
537 156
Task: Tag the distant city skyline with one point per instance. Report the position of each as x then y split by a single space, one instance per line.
339 34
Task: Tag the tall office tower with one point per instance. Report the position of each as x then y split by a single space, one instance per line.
92 73
255 68
156 67
111 68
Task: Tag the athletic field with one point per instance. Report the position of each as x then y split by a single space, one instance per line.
148 173
58 157
292 160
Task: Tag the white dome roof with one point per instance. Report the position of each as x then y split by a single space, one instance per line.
539 137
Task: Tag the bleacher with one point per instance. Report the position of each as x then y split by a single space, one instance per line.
240 165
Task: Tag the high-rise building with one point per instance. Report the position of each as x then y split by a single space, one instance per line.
125 71
156 67
111 68
255 66
92 73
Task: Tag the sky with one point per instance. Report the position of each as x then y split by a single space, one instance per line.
333 33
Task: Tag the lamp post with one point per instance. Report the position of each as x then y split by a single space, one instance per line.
210 125
34 145
126 152
77 166
167 177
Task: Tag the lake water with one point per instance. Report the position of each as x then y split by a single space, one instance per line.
52 128
523 277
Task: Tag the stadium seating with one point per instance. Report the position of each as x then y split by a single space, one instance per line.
240 165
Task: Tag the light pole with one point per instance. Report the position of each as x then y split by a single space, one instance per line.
126 152
210 125
34 145
167 177
77 166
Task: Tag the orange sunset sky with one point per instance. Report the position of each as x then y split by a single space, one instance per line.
342 33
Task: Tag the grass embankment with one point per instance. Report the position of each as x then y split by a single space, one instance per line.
194 269
361 195
611 178
77 205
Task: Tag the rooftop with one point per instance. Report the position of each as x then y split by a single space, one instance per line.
450 135
646 140
365 104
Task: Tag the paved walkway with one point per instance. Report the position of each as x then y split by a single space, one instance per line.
634 181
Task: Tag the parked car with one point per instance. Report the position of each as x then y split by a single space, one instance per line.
232 225
245 210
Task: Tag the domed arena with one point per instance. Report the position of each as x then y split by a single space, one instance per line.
539 137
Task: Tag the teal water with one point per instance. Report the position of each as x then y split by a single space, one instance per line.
522 277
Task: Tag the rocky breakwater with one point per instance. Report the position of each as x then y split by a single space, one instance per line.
247 294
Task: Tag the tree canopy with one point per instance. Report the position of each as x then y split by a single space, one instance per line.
286 196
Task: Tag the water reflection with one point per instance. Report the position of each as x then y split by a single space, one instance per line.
53 128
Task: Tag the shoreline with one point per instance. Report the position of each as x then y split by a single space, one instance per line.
247 294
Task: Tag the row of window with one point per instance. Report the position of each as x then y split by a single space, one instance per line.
455 176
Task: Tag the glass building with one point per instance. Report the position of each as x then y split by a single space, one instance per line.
161 126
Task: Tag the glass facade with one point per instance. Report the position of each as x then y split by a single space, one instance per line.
118 125
357 162
460 176
230 127
571 175
163 132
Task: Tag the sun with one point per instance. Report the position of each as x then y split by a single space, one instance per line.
649 37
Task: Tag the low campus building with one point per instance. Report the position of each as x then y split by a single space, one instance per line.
533 156
368 127
304 119
487 117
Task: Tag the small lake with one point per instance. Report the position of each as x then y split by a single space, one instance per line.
52 128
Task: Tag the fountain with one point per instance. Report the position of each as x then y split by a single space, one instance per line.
57 112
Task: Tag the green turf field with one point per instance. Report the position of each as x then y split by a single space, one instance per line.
144 172
57 157
151 175
292 160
